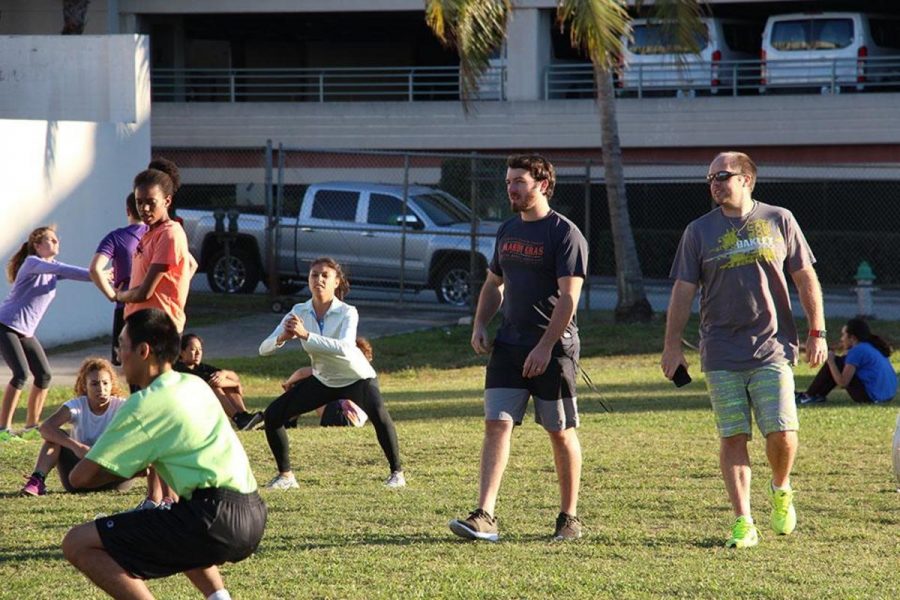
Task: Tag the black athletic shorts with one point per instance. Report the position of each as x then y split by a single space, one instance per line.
506 391
213 527
559 380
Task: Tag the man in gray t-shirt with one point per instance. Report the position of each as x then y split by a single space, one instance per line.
737 255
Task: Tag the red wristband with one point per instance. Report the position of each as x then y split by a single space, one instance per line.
817 333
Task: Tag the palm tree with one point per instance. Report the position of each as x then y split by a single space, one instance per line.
475 27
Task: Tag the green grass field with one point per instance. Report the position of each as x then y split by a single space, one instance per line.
653 503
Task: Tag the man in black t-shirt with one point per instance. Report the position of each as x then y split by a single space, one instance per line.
535 278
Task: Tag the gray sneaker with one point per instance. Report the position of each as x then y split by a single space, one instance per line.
282 482
145 504
567 528
479 525
396 480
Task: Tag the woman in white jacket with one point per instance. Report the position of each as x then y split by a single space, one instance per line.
326 328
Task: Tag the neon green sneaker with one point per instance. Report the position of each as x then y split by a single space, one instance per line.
8 436
30 434
743 534
784 517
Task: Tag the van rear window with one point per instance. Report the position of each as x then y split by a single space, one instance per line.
812 34
656 39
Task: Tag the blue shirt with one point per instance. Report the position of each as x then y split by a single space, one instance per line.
874 370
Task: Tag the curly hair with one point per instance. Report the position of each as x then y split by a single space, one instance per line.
90 365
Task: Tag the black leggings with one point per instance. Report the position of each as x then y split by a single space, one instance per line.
308 395
21 353
824 383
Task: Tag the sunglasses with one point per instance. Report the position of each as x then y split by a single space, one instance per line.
721 176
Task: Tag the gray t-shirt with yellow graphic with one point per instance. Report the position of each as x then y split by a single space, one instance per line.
739 264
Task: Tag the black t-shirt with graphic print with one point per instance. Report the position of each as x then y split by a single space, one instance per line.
531 256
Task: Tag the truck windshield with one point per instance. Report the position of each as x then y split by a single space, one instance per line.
442 209
657 39
812 34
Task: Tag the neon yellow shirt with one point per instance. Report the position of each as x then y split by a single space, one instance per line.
177 425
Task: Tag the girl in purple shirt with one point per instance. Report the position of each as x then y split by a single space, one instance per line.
33 271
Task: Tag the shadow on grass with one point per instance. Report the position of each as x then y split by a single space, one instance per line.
31 553
708 542
284 543
437 405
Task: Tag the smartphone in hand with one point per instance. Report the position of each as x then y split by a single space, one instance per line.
681 377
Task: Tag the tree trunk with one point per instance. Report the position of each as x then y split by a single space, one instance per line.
74 16
632 304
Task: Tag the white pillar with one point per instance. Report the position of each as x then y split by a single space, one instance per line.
527 52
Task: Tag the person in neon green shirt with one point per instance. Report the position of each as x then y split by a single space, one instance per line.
176 424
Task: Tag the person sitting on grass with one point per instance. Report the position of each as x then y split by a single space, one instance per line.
176 424
226 385
98 399
340 413
865 371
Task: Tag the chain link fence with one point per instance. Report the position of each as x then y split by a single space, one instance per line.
419 227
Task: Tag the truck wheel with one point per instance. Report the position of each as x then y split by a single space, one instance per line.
452 284
243 276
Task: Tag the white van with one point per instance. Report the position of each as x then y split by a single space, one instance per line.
652 59
829 50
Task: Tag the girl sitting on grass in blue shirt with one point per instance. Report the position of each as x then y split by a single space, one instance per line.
865 371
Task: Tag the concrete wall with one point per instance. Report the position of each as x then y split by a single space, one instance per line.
75 125
849 119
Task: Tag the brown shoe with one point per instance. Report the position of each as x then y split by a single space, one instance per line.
567 528
479 525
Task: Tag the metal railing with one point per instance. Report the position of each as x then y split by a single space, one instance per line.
567 80
410 84
828 76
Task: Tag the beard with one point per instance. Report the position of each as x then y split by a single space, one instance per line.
519 203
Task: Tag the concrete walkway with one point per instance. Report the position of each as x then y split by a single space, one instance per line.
241 337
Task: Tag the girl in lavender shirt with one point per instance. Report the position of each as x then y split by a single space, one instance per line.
33 271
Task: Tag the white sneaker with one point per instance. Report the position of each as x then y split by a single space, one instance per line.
396 480
283 482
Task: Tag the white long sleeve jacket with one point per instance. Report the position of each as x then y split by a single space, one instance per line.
336 361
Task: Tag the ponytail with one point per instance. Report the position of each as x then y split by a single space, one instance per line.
881 345
27 249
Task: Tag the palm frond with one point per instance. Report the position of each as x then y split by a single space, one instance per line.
680 20
475 28
597 27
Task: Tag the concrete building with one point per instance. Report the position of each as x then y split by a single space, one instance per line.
228 75
311 36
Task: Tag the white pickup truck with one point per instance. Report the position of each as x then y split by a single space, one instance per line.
361 225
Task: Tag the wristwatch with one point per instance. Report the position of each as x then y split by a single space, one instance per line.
817 333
